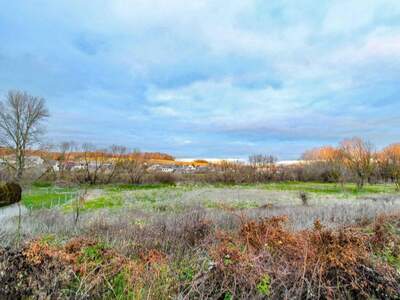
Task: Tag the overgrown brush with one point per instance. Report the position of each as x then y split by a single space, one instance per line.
264 259
189 260
82 269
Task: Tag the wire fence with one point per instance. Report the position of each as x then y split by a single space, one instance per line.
48 197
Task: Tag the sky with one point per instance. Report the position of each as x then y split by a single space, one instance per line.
208 78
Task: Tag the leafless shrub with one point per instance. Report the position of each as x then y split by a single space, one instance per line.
160 177
304 198
134 168
265 259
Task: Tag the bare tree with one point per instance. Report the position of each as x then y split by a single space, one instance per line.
64 156
263 166
21 117
57 157
389 159
357 156
231 172
118 156
94 162
261 160
134 167
337 168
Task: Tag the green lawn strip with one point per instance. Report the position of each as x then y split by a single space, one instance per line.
109 201
42 184
149 195
329 188
47 197
133 187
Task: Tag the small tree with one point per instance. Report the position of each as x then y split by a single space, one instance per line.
94 162
261 160
336 166
263 166
118 157
57 157
358 156
134 167
64 154
21 117
389 159
331 159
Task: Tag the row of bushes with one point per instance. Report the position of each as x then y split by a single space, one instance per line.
306 172
80 177
228 173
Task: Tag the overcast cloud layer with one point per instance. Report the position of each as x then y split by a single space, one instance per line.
208 78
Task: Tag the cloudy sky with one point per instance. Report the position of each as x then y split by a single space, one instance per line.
208 78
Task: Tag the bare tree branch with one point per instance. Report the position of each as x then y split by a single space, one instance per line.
21 117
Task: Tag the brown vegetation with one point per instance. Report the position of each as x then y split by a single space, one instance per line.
265 259
261 259
389 160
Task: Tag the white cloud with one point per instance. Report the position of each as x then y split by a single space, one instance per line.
380 44
219 104
164 111
344 17
256 69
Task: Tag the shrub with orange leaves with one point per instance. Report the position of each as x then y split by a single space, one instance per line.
324 153
260 259
389 159
96 264
320 263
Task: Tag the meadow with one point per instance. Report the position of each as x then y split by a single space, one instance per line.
201 241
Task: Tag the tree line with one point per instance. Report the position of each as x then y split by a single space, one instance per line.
22 118
356 159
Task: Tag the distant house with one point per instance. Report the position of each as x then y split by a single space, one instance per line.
34 161
54 165
167 169
154 167
177 168
77 166
30 161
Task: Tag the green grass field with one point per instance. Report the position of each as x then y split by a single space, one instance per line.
38 197
133 187
330 188
174 232
152 195
97 203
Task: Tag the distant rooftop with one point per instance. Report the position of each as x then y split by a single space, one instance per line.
215 160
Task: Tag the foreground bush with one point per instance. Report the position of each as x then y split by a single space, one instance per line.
10 193
263 259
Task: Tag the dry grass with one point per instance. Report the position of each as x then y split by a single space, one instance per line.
189 258
264 259
200 243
